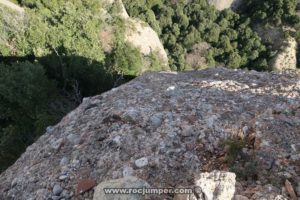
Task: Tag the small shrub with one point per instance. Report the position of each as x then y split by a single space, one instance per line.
242 164
234 149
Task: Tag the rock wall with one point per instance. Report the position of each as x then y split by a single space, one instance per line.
286 58
145 38
142 36
224 4
11 6
166 129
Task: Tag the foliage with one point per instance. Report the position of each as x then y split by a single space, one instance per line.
11 23
272 11
126 59
233 149
67 62
25 96
61 39
242 164
183 24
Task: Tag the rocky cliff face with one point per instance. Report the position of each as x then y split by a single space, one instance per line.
224 4
146 39
286 58
140 35
12 6
286 47
166 129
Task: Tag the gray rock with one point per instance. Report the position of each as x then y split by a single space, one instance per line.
74 139
132 115
63 177
156 120
57 189
14 182
41 194
296 147
117 140
245 130
187 131
142 162
56 197
49 129
75 163
128 171
57 143
211 121
240 197
127 182
268 192
64 161
65 194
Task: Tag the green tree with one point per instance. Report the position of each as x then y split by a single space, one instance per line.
127 60
25 96
271 11
234 60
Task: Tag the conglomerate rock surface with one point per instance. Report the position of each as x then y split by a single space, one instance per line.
166 128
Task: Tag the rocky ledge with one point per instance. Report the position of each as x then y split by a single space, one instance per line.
167 130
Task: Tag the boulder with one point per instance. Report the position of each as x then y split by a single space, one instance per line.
129 182
216 185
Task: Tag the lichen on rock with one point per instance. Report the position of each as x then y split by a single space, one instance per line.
167 128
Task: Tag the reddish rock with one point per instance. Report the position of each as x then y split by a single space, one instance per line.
85 185
290 190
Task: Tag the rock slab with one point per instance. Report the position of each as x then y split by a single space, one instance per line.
176 121
127 182
217 185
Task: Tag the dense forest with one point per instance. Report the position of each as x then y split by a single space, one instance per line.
184 24
52 58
